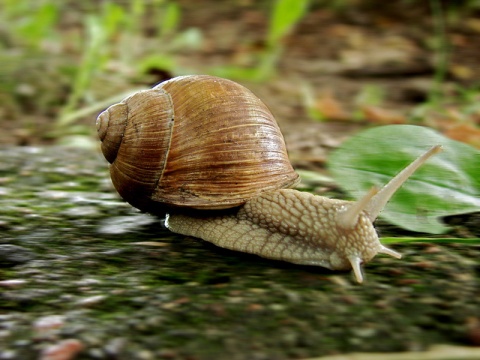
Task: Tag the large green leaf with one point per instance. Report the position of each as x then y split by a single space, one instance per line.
448 184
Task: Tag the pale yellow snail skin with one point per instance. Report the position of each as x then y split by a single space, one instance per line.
208 153
302 228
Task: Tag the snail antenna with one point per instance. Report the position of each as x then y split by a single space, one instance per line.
380 199
348 218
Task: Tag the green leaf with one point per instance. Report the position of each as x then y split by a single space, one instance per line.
441 240
39 25
448 184
170 20
285 15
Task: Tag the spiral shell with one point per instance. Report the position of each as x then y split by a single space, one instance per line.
196 141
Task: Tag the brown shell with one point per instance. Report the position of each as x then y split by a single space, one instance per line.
194 141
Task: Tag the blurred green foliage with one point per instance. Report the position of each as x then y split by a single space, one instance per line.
284 15
94 51
30 30
61 56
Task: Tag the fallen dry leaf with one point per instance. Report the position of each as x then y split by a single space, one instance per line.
331 108
466 133
378 115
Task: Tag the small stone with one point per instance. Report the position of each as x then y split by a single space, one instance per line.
63 350
92 300
277 307
87 282
8 355
13 283
115 346
145 355
4 225
53 194
124 224
47 323
82 212
365 332
11 255
5 180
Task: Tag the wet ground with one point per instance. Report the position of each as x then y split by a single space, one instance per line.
79 265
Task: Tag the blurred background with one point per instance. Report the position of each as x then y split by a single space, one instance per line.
79 264
342 64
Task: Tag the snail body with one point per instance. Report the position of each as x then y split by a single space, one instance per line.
208 153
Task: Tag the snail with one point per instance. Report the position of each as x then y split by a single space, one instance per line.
208 154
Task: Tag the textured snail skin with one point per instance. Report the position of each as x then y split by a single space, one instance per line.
300 227
288 225
209 153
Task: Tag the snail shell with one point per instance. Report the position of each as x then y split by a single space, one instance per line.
196 141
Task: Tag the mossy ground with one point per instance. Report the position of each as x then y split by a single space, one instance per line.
179 298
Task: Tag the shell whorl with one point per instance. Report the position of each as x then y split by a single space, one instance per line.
111 127
194 141
138 149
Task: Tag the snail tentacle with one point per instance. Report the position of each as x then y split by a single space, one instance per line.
349 217
378 202
357 270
